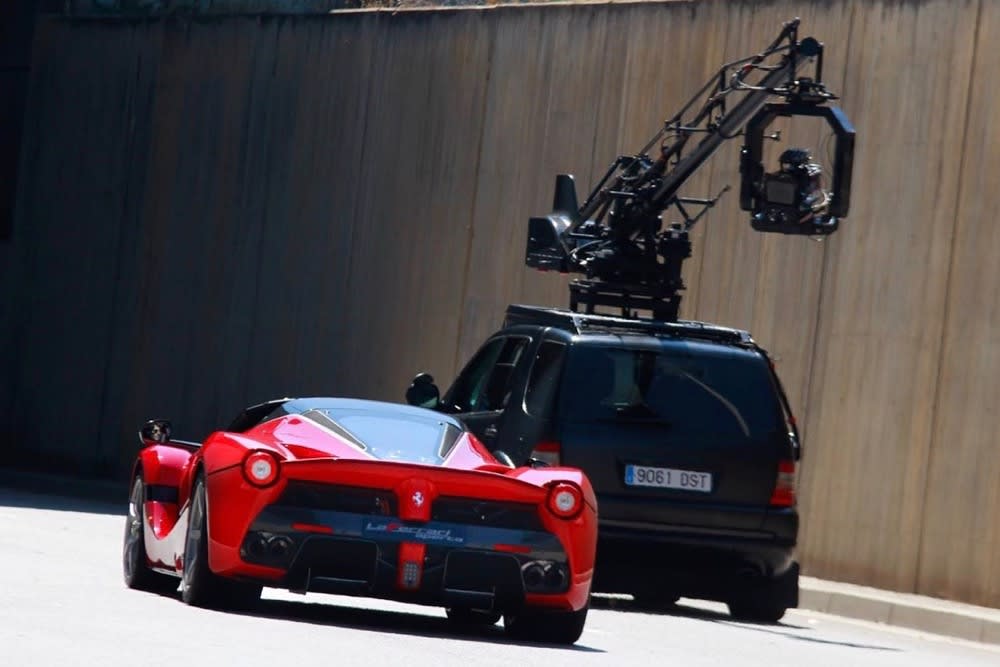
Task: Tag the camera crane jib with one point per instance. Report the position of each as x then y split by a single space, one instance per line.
615 239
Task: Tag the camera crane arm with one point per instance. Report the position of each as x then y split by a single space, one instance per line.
728 126
615 238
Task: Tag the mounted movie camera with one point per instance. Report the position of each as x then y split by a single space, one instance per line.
793 194
617 238
793 199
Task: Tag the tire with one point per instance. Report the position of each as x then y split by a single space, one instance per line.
767 602
135 564
552 627
200 587
756 610
469 618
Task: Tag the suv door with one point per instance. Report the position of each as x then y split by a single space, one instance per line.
487 385
532 421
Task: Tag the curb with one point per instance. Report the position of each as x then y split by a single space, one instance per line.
916 612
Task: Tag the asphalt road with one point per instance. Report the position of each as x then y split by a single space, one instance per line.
62 602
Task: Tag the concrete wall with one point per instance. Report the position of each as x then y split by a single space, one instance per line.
217 211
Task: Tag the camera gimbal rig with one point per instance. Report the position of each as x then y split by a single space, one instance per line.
616 238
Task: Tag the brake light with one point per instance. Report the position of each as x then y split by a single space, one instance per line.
565 500
412 556
260 468
784 485
547 451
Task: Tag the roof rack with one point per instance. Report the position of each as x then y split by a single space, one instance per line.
593 323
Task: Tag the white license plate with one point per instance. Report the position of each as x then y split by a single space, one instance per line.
668 478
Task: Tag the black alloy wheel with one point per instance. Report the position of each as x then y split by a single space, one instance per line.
200 586
135 564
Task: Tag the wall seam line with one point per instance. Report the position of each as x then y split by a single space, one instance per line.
824 261
123 222
942 343
463 311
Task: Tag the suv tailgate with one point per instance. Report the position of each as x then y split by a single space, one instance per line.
673 433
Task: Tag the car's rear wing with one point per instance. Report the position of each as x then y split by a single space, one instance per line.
485 484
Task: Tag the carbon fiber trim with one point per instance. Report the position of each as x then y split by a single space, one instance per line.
499 514
161 493
353 499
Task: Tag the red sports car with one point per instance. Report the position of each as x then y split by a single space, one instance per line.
362 498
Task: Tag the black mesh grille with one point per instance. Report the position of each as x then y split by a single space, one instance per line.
485 572
493 513
358 500
338 558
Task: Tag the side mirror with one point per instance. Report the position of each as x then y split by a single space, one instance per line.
423 393
155 430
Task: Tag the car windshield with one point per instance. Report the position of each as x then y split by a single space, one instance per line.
396 437
691 389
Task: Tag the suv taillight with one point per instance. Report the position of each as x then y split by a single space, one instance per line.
784 485
547 451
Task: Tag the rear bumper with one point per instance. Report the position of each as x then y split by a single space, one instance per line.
316 537
450 576
699 562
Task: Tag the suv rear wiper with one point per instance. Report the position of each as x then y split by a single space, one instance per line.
639 412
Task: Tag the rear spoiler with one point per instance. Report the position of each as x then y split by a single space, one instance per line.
388 475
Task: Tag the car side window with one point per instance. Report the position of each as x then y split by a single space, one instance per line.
544 378
464 393
485 382
500 386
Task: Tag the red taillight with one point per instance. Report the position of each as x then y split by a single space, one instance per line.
565 500
547 451
312 528
513 548
784 485
260 468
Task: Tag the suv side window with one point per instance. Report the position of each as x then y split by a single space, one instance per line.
484 385
544 378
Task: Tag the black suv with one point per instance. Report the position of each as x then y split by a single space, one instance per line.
683 429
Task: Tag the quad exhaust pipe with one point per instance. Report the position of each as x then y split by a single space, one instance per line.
544 575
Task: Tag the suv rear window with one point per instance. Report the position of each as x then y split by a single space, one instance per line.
691 389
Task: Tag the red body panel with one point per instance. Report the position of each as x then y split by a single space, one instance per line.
309 452
169 467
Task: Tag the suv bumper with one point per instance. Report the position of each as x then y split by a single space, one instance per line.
704 563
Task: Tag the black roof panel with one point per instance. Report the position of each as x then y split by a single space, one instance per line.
585 323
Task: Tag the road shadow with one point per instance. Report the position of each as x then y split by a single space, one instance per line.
627 605
61 501
51 491
776 630
391 621
781 628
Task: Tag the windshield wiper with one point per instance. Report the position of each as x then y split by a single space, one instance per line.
638 412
